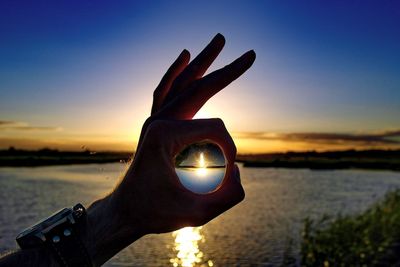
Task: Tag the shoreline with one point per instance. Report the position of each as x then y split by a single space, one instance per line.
48 157
330 160
315 165
334 160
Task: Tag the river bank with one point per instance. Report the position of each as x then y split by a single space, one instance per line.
50 157
349 159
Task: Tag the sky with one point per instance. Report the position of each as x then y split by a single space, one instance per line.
80 74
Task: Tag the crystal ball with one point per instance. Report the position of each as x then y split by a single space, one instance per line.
201 167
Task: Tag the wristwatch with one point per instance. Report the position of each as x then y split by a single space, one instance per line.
61 234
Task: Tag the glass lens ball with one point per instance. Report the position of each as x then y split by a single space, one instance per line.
201 167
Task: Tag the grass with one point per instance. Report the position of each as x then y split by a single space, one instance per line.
368 239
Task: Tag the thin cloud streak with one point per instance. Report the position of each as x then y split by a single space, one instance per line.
23 126
32 128
9 123
66 144
383 138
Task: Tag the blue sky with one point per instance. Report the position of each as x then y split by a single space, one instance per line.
86 69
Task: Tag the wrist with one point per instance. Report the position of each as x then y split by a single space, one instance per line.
106 230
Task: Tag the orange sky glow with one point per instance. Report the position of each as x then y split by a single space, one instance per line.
326 77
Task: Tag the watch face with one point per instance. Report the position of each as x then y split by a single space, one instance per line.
42 226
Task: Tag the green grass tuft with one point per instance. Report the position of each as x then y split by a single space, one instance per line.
369 239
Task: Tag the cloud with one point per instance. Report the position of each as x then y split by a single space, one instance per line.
35 128
9 123
394 133
383 138
22 126
67 144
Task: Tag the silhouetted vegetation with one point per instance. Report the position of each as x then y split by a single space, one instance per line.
365 159
369 239
46 156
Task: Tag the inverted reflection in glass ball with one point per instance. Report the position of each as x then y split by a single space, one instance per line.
201 167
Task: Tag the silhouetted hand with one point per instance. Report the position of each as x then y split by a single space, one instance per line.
150 198
179 96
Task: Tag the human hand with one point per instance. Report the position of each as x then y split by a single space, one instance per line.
150 199
180 94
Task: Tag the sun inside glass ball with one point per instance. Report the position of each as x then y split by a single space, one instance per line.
201 167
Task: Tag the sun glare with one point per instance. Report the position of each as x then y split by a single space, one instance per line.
202 162
201 169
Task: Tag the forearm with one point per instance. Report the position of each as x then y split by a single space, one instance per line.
103 233
107 232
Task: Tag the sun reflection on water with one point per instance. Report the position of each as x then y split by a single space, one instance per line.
187 248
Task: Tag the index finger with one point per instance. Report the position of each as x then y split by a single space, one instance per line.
186 105
197 67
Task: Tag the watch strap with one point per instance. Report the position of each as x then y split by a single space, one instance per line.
68 248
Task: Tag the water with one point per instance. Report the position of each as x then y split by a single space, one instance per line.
254 233
201 180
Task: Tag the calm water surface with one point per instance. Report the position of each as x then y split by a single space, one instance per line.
254 233
201 180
